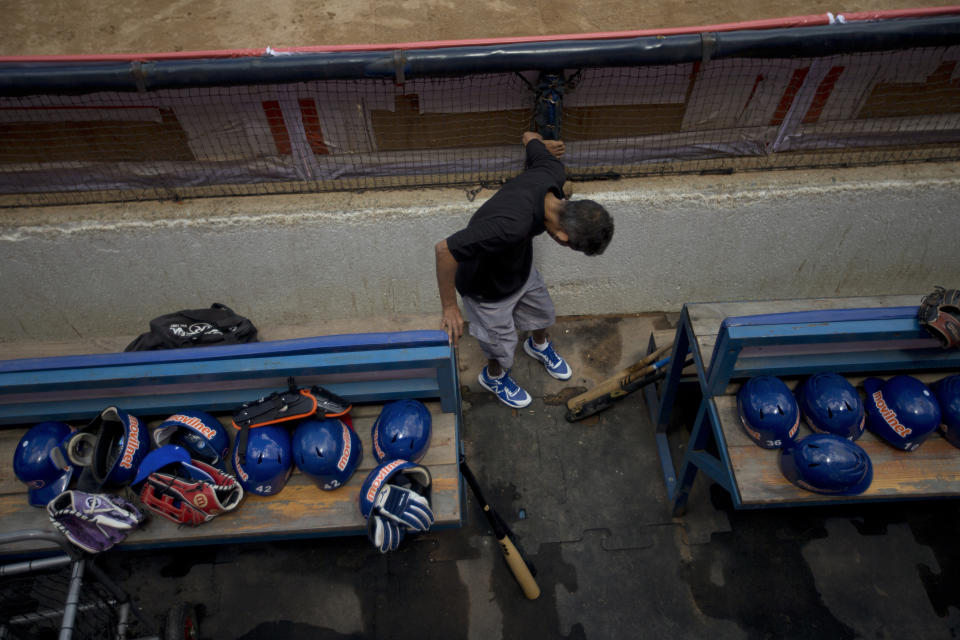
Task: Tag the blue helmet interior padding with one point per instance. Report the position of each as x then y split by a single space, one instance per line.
110 449
827 463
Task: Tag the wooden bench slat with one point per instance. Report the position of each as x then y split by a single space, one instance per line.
300 509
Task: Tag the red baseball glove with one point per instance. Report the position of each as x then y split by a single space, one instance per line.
190 493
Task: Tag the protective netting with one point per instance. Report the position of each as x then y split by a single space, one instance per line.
716 116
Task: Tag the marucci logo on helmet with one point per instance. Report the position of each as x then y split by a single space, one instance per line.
890 416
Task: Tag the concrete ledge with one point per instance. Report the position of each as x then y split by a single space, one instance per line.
100 271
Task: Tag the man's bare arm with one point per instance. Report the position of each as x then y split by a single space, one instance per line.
556 147
451 320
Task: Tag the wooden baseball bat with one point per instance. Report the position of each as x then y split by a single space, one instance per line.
620 379
501 531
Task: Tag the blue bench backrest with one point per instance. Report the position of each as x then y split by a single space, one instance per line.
370 367
839 340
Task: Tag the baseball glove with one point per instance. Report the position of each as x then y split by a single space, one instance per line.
939 314
190 493
93 521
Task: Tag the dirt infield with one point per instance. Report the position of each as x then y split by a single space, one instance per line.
55 27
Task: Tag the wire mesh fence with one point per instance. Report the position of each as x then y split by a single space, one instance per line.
32 607
725 115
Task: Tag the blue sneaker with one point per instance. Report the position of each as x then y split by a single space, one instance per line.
505 388
554 364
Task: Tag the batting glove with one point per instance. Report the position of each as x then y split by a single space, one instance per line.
404 507
384 534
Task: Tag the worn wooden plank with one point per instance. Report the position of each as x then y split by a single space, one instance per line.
931 471
300 509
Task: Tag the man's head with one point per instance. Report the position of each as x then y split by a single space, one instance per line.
584 226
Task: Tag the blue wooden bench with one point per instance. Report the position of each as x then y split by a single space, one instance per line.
855 337
367 369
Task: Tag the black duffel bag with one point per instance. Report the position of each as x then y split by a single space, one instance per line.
196 328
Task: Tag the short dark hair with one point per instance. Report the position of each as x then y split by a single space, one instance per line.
588 225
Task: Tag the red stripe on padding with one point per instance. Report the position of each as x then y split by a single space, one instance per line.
271 108
822 95
311 125
789 95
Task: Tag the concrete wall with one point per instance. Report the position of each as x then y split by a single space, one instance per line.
106 270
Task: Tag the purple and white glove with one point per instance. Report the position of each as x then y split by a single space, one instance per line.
93 522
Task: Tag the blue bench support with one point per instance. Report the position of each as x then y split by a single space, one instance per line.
881 339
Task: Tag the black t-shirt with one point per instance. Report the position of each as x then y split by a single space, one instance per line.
494 252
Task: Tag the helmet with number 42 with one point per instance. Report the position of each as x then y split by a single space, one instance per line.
266 463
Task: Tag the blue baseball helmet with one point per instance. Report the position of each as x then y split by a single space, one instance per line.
768 411
401 472
199 433
402 430
110 450
903 411
327 450
157 459
37 464
830 404
267 462
947 392
827 463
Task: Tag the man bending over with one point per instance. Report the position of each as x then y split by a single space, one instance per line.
490 262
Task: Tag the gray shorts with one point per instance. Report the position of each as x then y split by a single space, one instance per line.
495 324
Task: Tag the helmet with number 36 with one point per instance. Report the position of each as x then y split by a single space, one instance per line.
768 411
